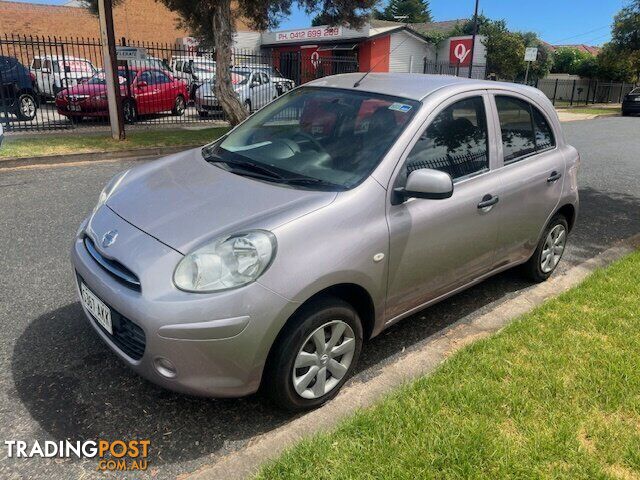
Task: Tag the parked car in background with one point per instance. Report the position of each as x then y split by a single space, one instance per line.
194 71
282 84
144 91
254 89
631 102
55 72
18 90
268 257
1 133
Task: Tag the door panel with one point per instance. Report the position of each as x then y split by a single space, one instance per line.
529 192
437 246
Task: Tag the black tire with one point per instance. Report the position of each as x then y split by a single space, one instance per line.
27 106
179 106
203 113
533 268
129 111
626 114
247 105
277 379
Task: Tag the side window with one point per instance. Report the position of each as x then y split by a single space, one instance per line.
178 66
455 142
518 138
36 64
146 77
265 78
544 135
160 77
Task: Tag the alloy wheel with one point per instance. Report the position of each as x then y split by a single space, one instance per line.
324 359
180 106
553 248
27 107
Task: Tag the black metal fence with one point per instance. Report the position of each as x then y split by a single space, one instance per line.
576 92
59 83
478 71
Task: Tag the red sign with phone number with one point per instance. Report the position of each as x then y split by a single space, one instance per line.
309 34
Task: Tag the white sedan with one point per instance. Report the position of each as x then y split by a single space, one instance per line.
254 88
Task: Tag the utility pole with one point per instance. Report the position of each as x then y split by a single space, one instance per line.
473 37
111 69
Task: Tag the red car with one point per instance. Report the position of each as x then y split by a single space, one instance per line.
144 91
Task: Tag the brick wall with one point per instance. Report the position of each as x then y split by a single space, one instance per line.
140 20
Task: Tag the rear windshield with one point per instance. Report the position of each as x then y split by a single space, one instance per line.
334 136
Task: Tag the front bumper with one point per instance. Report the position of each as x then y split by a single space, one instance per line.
631 107
218 343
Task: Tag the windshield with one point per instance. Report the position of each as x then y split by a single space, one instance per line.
204 68
335 137
99 78
635 91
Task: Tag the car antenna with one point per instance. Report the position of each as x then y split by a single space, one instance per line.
406 25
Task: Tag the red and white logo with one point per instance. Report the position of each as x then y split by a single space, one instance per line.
460 51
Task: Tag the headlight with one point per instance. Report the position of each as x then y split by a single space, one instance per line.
102 96
108 190
227 262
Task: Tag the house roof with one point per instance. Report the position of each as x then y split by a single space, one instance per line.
421 28
591 49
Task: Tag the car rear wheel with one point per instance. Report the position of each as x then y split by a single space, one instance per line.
314 356
27 107
549 251
129 111
247 105
179 106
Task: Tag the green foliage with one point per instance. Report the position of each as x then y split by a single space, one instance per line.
417 11
568 60
625 40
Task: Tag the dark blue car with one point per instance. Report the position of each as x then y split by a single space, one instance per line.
18 93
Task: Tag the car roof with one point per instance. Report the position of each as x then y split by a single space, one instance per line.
413 86
60 57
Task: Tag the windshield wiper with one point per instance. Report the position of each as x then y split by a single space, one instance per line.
311 181
250 166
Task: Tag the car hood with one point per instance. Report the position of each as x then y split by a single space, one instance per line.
184 201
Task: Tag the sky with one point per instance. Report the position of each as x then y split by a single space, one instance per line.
556 21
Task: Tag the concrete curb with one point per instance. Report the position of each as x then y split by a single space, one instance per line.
245 462
135 153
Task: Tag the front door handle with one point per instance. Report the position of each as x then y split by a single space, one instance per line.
555 176
488 201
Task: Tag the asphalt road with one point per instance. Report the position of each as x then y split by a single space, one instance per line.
60 382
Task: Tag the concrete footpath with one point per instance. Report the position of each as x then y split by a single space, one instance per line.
245 462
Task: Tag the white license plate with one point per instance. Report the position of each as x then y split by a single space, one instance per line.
96 307
74 108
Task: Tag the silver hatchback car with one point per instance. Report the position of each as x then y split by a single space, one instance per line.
268 257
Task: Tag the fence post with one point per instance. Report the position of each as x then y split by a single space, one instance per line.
586 100
621 91
555 92
595 92
573 92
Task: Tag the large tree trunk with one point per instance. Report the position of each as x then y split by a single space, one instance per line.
223 28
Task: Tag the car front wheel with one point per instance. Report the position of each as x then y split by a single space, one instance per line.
129 111
315 355
549 251
27 107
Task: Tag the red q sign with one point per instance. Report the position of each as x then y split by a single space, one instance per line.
460 51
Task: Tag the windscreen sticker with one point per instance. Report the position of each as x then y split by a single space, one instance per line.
400 107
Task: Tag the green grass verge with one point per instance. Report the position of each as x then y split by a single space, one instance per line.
554 395
85 143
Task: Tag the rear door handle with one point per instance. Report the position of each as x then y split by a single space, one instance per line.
555 176
488 201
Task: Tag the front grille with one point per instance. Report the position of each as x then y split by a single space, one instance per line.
113 267
127 336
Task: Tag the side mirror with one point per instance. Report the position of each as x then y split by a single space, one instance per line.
426 183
